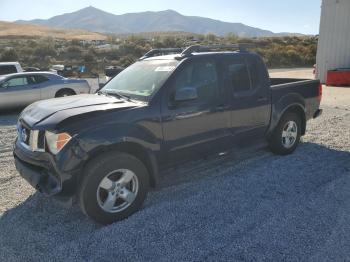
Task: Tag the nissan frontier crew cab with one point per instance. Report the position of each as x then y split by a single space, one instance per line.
104 150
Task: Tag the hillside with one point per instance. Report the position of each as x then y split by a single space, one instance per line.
96 20
16 30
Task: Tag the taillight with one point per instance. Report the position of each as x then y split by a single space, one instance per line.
319 97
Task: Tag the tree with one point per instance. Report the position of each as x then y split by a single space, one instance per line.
89 58
43 52
9 55
74 52
111 38
75 42
45 48
125 61
211 37
232 38
169 41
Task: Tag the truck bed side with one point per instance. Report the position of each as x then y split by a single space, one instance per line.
296 94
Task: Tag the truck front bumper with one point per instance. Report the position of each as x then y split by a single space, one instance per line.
39 178
46 172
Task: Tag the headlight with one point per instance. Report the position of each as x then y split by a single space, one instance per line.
56 142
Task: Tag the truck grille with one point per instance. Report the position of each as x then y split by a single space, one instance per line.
33 140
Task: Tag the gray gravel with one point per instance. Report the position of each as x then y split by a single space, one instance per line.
252 206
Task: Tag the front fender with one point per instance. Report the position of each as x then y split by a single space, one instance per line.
73 158
113 134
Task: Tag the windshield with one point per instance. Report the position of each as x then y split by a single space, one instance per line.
142 79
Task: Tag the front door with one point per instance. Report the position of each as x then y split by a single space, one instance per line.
195 128
18 91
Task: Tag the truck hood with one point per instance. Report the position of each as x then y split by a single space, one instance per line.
65 107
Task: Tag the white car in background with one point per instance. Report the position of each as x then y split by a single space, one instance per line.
22 89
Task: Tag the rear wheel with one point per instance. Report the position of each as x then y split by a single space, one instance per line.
114 187
65 92
286 135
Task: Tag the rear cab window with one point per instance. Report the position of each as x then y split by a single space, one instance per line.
257 71
7 69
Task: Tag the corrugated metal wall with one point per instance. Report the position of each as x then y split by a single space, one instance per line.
334 40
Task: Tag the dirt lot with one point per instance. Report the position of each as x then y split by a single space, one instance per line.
252 206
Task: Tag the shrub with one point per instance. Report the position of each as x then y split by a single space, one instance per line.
276 51
9 55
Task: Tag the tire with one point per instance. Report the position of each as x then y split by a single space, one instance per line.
65 92
286 136
105 181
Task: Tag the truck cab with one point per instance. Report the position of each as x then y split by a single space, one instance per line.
10 68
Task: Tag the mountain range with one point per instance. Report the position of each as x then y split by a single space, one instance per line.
8 29
96 20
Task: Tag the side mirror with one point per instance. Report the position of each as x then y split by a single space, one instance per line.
186 94
101 85
5 85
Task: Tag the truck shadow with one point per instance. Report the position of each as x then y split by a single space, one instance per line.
256 195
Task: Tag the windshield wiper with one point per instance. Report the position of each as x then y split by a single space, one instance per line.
115 94
128 98
102 93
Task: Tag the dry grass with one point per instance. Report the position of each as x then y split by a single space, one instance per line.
13 29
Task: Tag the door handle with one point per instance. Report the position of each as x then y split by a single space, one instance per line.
220 108
190 115
262 99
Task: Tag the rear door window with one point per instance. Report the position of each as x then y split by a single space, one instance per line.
38 79
237 75
7 69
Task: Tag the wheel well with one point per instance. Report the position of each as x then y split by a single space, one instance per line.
300 112
65 90
137 151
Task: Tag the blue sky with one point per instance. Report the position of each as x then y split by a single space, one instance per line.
300 16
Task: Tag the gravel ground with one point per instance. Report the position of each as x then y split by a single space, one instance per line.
252 206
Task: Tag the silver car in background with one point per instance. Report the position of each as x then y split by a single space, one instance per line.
22 89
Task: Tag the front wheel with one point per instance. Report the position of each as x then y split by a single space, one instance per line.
114 187
286 136
65 92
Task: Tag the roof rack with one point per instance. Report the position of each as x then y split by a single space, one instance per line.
199 48
161 51
184 52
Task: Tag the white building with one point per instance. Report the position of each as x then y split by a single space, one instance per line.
333 49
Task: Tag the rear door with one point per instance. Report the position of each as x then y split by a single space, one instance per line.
18 91
39 83
250 106
198 127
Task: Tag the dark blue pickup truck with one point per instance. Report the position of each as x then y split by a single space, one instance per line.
105 150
